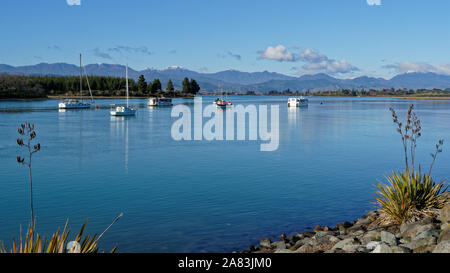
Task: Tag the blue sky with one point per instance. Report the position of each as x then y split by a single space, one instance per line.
344 38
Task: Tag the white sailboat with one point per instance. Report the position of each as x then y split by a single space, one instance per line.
75 103
121 110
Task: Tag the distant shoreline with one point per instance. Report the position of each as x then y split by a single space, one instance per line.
444 98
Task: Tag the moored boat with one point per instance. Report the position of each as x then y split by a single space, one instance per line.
297 102
122 110
154 101
223 103
78 103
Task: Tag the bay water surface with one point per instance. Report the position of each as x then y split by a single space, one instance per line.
205 196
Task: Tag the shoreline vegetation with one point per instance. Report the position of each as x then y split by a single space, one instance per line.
59 87
367 235
42 87
411 215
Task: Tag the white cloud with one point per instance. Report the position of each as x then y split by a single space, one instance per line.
73 2
411 67
315 62
278 53
374 2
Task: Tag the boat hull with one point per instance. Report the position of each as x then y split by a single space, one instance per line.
74 106
123 114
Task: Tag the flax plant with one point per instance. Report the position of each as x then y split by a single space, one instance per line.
410 194
34 243
27 133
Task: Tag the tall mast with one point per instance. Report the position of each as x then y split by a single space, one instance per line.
126 75
81 81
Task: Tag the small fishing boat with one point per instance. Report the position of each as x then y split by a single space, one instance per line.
297 102
223 103
153 101
121 110
78 103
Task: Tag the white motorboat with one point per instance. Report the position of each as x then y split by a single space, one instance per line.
122 110
297 102
154 101
78 103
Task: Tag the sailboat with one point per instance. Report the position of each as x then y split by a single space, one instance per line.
122 110
75 103
220 102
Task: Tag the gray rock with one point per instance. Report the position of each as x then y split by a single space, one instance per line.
356 227
400 249
265 243
305 249
307 241
442 247
382 248
283 251
388 238
428 233
404 241
444 225
444 215
363 221
373 235
362 249
279 245
445 234
347 244
324 233
372 245
358 233
422 244
325 243
411 230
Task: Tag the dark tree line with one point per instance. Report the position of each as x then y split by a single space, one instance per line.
189 87
16 86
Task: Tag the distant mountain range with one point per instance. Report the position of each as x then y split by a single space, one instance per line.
237 81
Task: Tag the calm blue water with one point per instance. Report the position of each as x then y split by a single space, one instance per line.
201 196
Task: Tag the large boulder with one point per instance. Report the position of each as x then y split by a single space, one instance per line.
442 247
382 248
265 243
305 249
279 245
411 230
372 245
445 214
324 243
445 234
388 238
424 242
373 235
348 245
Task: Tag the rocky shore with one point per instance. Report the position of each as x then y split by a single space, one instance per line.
367 235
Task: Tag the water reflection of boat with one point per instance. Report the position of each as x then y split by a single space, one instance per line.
122 110
75 103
